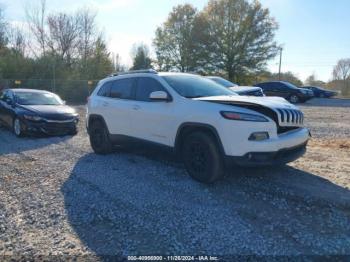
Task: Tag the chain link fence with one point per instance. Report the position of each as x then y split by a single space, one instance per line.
72 91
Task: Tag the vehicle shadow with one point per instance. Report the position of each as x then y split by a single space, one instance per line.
125 204
9 143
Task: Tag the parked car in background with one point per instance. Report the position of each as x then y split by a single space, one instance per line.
202 121
241 90
26 111
321 92
286 90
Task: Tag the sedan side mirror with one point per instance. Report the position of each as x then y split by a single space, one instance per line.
9 102
159 96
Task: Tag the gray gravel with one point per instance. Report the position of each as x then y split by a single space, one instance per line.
58 198
328 118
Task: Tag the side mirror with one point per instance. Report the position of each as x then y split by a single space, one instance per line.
64 102
159 96
9 101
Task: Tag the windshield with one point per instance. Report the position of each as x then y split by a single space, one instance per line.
290 85
192 86
35 98
222 81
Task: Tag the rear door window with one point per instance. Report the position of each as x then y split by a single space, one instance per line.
122 89
145 86
265 86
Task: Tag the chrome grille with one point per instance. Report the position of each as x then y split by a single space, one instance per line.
290 117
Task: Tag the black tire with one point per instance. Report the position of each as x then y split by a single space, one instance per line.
294 99
99 138
17 127
202 157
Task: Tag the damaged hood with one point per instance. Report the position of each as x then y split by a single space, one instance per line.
270 102
277 108
244 89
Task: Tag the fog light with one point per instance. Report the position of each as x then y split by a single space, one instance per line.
259 136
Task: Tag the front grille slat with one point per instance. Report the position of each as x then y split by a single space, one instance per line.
288 115
289 119
298 117
281 114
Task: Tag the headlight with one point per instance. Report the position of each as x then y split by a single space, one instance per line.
33 118
243 116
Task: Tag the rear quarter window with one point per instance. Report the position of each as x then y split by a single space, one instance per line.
105 90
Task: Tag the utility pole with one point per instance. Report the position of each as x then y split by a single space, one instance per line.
54 75
279 70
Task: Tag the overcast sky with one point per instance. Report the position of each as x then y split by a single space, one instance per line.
314 33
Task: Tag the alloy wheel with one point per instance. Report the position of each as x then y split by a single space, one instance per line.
17 127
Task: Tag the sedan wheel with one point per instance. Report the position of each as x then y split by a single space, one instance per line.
17 127
294 99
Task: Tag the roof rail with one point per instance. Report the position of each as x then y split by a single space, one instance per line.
143 71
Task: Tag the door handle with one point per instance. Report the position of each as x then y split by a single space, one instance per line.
105 104
136 107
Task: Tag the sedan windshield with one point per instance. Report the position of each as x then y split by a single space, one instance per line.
192 86
290 85
36 98
222 81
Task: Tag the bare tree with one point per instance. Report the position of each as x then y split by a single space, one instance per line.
17 40
63 35
36 16
3 26
313 81
342 72
86 20
117 64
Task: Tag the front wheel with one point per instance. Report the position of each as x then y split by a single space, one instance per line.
99 138
17 127
202 157
294 99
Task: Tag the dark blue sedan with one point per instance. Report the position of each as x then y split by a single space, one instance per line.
320 92
35 111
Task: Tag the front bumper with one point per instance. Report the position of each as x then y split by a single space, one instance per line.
55 128
283 148
279 157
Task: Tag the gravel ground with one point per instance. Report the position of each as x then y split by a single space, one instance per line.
58 198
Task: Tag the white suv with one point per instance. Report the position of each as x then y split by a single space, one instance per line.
207 124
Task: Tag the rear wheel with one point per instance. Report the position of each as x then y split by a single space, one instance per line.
99 138
202 157
294 99
17 127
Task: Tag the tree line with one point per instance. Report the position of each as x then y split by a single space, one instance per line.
231 38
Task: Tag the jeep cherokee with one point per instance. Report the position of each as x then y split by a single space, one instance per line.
207 124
